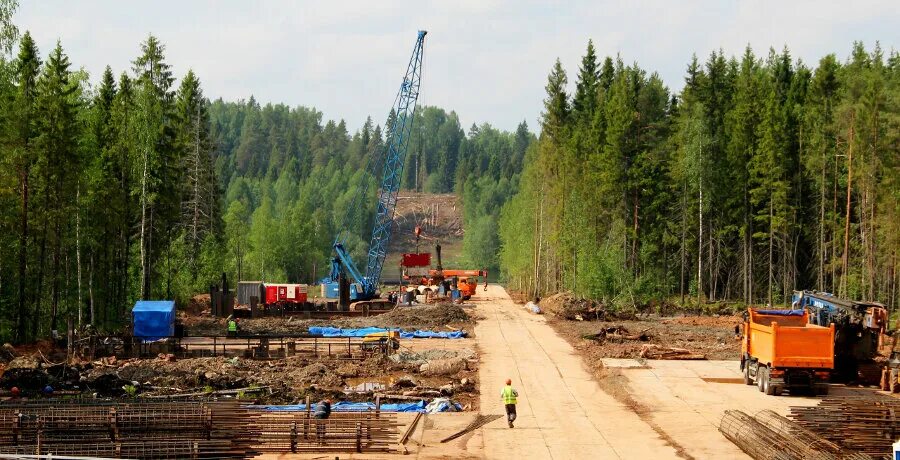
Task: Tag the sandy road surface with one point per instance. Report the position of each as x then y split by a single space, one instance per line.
562 412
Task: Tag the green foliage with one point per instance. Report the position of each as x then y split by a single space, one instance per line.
736 188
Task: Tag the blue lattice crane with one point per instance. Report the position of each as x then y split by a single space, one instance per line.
365 284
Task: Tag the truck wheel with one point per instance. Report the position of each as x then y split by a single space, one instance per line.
821 390
761 377
770 389
747 379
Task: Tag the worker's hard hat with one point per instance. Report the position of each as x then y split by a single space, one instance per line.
14 391
509 381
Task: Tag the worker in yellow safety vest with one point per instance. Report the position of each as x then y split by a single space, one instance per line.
509 395
232 327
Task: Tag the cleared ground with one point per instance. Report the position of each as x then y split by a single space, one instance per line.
686 400
611 408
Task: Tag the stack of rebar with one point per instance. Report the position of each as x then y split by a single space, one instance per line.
165 429
866 423
127 429
342 431
771 436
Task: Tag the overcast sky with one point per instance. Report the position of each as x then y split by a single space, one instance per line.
487 60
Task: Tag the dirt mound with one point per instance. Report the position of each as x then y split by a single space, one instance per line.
565 305
109 385
422 316
24 379
429 317
198 304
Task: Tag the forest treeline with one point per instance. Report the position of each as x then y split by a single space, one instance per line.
290 181
138 186
761 176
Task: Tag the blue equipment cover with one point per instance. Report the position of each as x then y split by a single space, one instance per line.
347 406
153 319
781 312
327 331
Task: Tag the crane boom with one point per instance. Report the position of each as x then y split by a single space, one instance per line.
392 169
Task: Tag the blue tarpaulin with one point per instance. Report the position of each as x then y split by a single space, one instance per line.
346 406
781 312
327 331
153 319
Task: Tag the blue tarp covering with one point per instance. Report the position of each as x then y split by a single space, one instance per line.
327 331
153 319
346 406
781 312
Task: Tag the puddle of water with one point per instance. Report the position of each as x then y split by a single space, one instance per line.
723 380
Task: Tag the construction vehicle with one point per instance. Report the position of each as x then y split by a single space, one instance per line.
782 350
415 268
364 286
466 280
860 329
386 342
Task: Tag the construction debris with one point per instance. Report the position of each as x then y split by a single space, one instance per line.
479 422
867 424
653 351
443 366
566 306
618 334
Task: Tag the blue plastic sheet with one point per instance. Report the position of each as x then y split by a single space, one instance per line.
153 319
346 406
781 312
327 331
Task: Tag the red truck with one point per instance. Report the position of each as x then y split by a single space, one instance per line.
781 350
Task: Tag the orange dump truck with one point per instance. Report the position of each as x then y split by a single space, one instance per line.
781 350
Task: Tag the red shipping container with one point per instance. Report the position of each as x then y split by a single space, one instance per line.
422 259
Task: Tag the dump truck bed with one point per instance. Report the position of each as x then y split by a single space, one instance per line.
785 339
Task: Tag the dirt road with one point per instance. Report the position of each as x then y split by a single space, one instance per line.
562 411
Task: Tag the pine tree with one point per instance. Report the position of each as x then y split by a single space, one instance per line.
584 102
57 144
192 138
158 165
25 74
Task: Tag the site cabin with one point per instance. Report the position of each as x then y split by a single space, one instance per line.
271 293
781 350
286 293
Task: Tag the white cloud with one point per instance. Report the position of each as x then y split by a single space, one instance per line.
488 60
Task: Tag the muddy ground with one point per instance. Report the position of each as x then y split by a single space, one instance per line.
439 317
279 381
420 373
